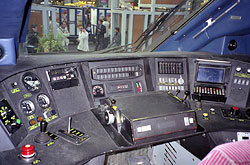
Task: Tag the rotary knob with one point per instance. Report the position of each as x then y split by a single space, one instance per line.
109 117
181 81
238 69
248 71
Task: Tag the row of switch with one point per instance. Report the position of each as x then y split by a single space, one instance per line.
170 67
118 69
209 90
171 80
117 75
241 81
64 77
46 115
170 88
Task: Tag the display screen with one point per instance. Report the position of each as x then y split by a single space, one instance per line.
63 78
213 75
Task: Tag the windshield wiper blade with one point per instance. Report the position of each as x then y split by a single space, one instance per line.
153 27
156 25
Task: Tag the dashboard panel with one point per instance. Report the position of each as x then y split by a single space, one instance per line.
117 77
90 106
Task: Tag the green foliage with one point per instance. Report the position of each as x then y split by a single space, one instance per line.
50 43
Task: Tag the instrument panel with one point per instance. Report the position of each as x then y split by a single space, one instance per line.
113 100
117 77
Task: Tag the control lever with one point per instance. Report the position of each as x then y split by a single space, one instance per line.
42 137
69 124
177 92
69 136
198 102
113 101
186 94
43 126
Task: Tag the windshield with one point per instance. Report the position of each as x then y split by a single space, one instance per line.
58 27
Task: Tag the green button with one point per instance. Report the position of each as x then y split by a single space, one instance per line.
18 121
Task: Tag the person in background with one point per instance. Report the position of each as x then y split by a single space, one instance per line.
63 31
83 39
86 18
32 39
100 30
106 35
116 40
88 28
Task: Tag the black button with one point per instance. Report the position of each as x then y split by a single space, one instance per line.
232 45
52 112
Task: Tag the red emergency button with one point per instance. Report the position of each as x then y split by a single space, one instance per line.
235 108
28 151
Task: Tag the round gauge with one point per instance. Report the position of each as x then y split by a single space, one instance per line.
31 82
98 91
28 107
43 101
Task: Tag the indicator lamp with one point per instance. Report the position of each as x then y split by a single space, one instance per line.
18 121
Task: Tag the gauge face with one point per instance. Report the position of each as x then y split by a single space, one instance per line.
31 82
98 91
28 107
43 101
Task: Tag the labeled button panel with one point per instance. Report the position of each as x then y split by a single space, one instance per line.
8 117
165 67
117 72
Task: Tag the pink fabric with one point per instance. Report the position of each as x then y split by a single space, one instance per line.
235 153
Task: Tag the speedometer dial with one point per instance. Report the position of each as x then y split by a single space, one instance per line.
98 90
28 107
43 101
31 82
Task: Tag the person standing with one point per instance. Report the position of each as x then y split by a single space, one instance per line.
116 40
63 31
106 34
32 39
83 39
100 30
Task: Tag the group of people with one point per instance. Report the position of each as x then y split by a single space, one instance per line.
102 36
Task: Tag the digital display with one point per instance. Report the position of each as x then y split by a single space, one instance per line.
63 78
212 75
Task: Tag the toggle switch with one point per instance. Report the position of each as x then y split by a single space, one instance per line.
235 111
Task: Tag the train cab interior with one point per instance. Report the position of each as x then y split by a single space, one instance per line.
182 90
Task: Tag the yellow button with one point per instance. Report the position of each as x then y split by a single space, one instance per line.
205 114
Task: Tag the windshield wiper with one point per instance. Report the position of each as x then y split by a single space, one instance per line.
152 28
157 24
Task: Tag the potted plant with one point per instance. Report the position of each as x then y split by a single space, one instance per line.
50 43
